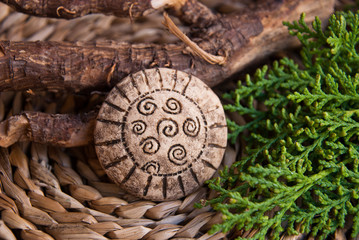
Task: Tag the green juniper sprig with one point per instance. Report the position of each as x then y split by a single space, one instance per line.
300 173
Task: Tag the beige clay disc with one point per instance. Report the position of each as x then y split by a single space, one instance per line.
160 134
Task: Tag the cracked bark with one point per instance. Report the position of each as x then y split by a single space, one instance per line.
69 9
65 130
243 38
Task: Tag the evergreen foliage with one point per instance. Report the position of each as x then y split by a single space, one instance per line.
301 172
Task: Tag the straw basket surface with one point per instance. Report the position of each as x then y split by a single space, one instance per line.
53 193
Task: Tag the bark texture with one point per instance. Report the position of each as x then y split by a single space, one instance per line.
56 129
69 9
243 38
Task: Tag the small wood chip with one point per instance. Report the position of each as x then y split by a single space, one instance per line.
134 210
130 233
36 216
14 221
44 203
73 217
163 210
67 176
5 232
192 228
104 227
65 200
162 232
107 204
29 234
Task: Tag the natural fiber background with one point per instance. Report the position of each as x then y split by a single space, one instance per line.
53 193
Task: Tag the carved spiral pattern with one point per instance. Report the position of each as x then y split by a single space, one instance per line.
150 145
139 127
173 106
191 127
168 127
176 154
151 167
146 106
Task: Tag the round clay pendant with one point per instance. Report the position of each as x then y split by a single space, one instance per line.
160 134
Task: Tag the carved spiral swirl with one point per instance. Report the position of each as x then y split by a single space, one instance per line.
146 106
139 127
173 106
151 167
150 145
176 154
191 127
168 127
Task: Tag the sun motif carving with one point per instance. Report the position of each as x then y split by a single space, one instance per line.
157 138
162 130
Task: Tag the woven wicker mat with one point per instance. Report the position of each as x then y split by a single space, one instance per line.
53 193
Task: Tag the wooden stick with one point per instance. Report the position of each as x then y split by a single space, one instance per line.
64 130
243 38
69 9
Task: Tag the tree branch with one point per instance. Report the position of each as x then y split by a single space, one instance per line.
69 9
243 38
65 130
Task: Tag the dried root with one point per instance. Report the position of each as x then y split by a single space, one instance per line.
234 41
58 129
